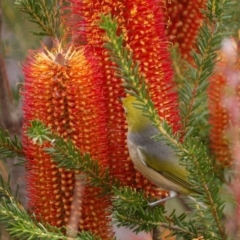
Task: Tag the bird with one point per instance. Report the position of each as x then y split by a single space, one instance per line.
155 160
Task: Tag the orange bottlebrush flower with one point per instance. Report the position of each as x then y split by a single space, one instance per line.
141 22
224 90
63 89
219 119
183 19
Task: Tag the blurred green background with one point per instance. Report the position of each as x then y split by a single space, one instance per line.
17 39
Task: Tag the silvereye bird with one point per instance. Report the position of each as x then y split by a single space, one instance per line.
155 160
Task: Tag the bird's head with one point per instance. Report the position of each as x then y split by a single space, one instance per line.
136 120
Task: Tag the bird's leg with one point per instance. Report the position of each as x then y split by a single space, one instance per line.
172 194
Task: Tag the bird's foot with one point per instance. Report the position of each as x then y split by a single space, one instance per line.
172 194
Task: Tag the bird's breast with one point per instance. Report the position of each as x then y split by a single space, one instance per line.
152 175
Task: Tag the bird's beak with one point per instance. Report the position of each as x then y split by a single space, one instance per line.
120 99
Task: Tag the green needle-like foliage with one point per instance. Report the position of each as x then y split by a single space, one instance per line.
20 224
139 215
132 210
202 176
10 148
45 13
193 88
24 226
178 65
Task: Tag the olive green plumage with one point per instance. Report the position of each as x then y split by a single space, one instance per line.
155 160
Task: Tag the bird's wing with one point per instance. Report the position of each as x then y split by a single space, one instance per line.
177 175
178 180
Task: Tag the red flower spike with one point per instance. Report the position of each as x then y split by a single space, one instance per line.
63 89
141 22
183 19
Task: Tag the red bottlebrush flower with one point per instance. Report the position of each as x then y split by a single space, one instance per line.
141 22
63 89
183 19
